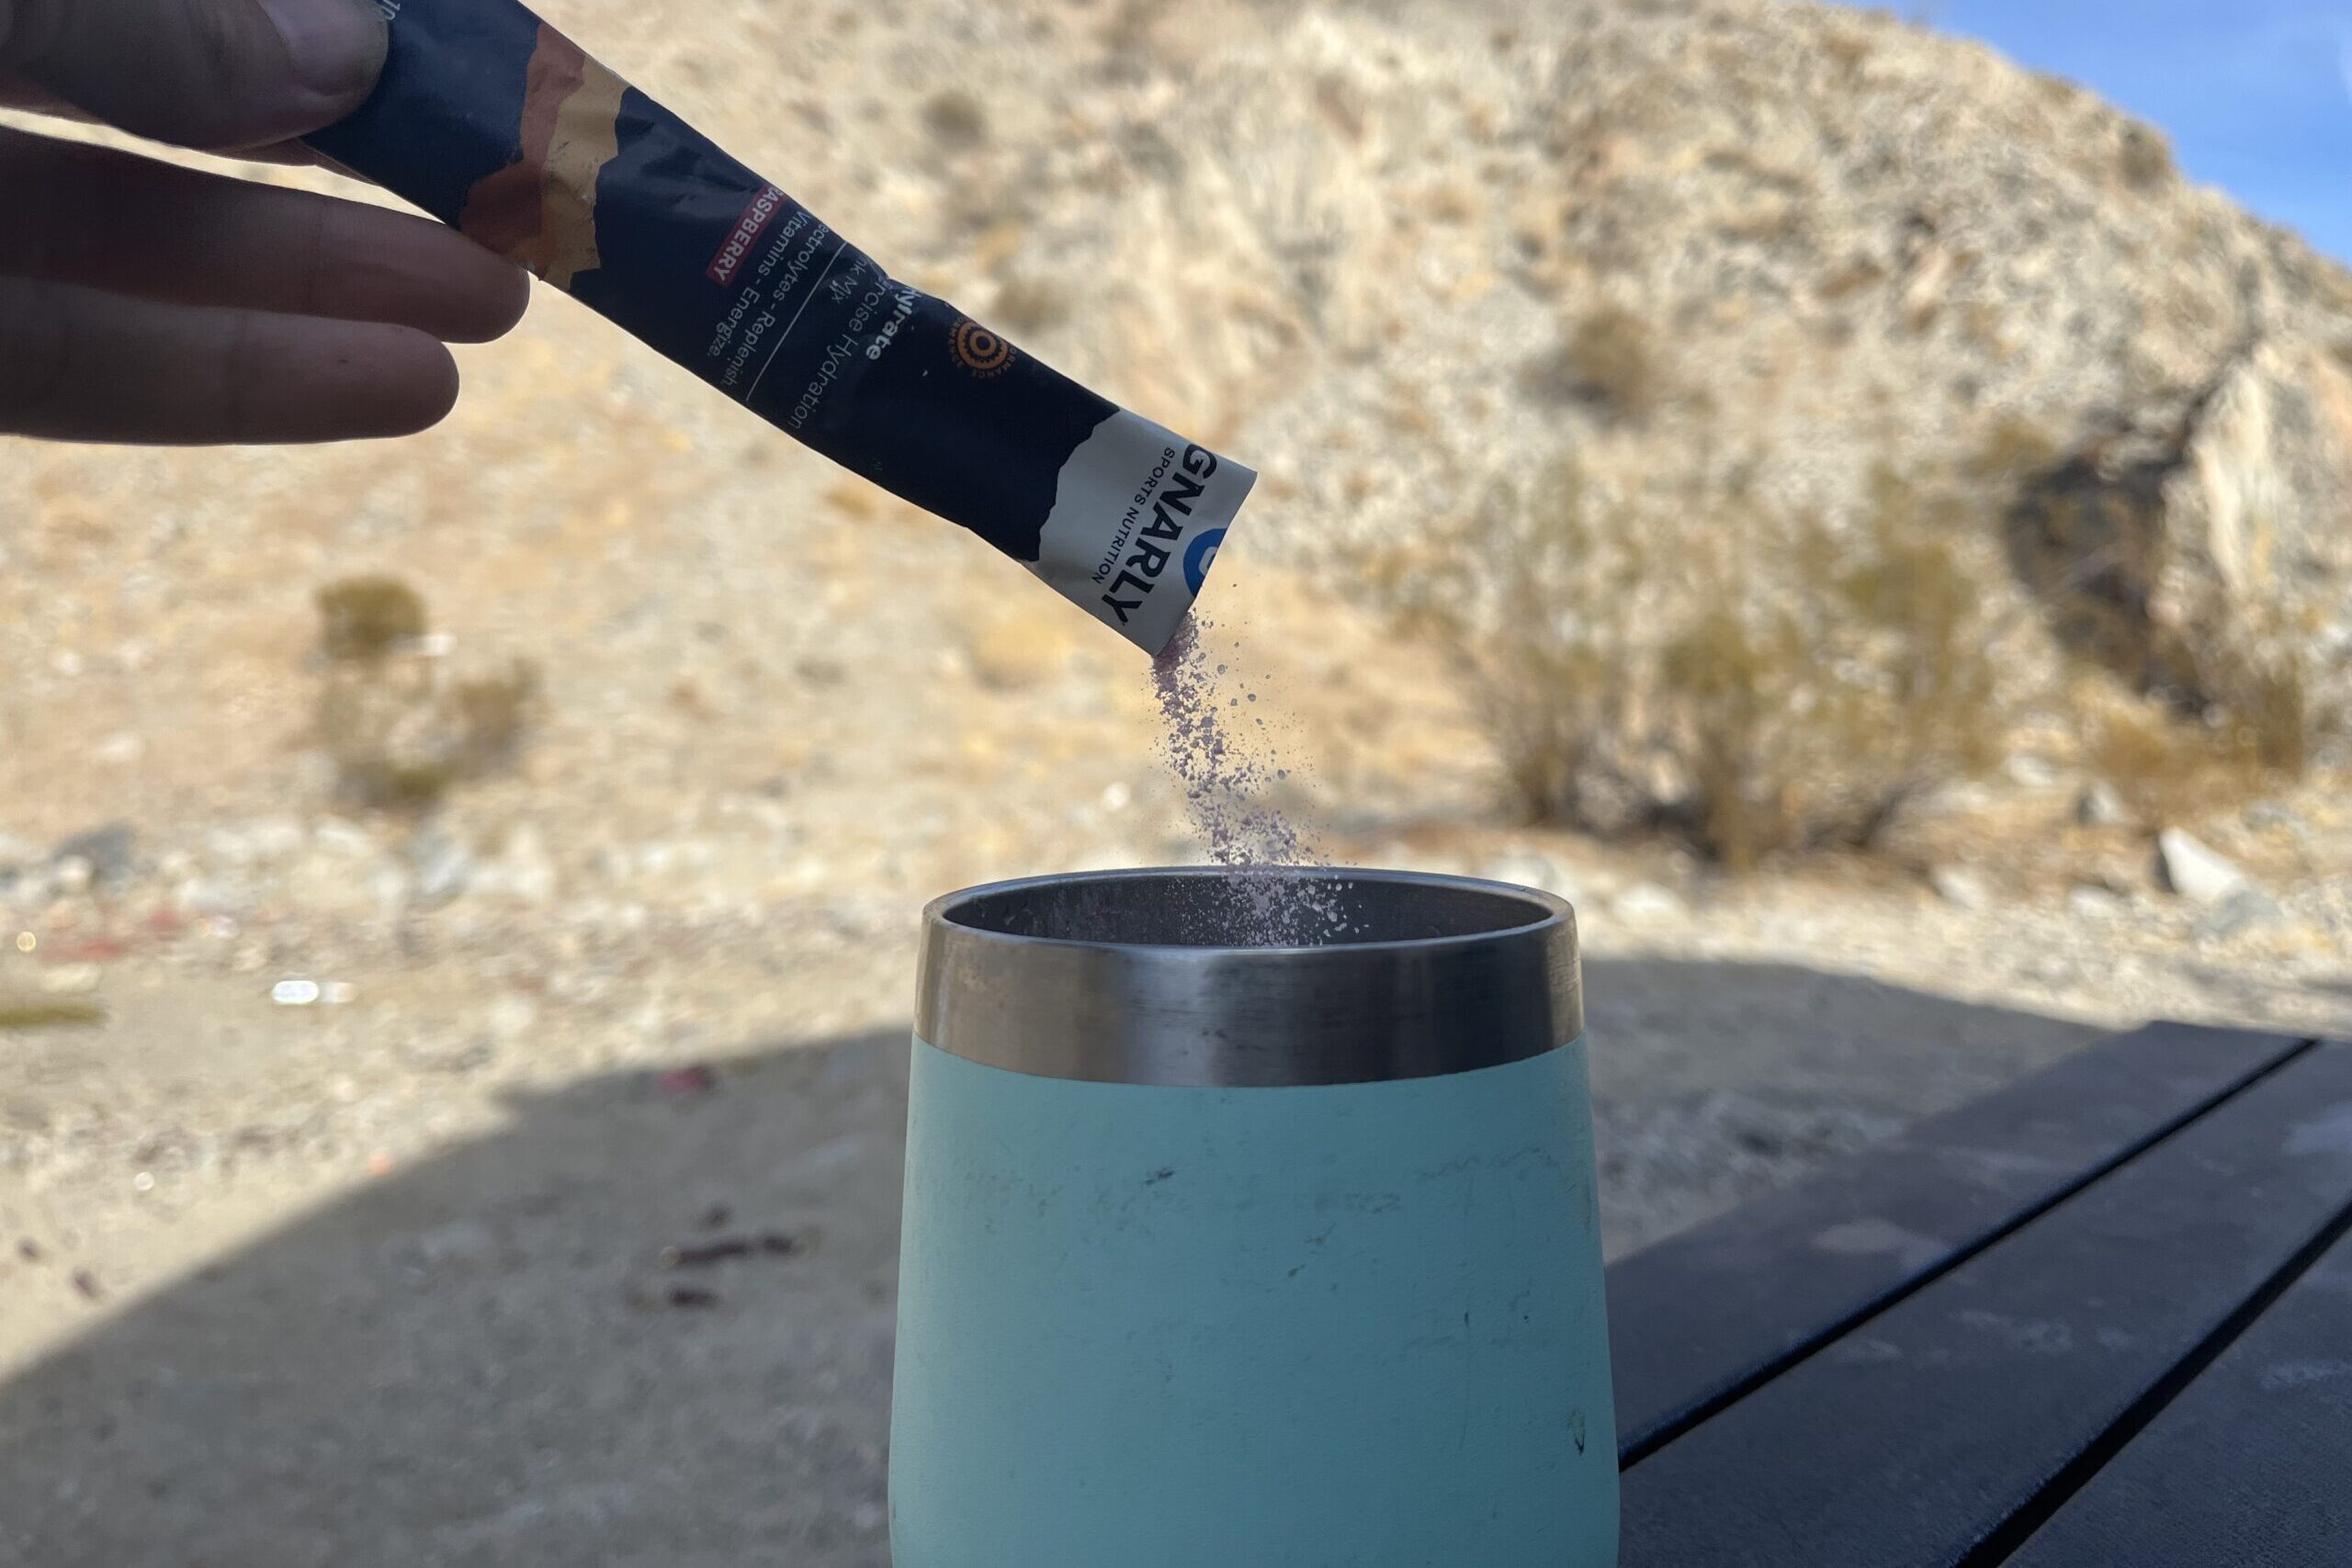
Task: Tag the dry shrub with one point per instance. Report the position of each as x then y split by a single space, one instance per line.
1341 103
363 618
400 731
1532 595
402 739
1027 306
2056 90
27 1014
957 120
2276 726
855 498
1454 203
1608 363
1757 681
1772 177
488 717
1979 324
2015 451
2168 768
1848 50
1767 223
2146 158
1019 651
1127 36
1851 276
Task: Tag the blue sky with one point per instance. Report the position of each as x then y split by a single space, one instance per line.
2256 95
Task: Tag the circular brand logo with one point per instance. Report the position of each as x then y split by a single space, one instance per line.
1200 557
980 350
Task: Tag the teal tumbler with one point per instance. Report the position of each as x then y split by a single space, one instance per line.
1229 1256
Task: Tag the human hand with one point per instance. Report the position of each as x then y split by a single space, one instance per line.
144 302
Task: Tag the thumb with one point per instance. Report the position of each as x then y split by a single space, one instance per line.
221 74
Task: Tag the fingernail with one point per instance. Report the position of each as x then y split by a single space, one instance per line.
335 47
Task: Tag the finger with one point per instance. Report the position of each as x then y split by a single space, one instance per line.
15 92
290 154
78 365
212 73
22 95
117 221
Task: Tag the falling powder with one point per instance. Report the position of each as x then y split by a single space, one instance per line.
1222 778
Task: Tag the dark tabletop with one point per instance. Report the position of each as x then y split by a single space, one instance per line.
2101 1319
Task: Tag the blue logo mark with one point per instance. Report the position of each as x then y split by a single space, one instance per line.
1200 557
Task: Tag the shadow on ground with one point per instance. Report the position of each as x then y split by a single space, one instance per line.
483 1361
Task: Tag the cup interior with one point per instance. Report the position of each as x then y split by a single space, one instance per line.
1304 907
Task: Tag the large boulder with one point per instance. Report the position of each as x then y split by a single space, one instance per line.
2255 586
2198 549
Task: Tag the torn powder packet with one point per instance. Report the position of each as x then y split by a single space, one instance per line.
492 121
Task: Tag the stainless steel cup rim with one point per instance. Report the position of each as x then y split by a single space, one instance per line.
1122 976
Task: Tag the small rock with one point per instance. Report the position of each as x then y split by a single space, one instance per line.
2029 771
1961 797
1523 868
1117 855
512 1017
111 851
2247 910
72 876
256 843
1015 654
312 993
1397 857
1960 887
457 1242
119 750
1647 903
525 872
340 838
1520 868
2094 904
2195 873
71 979
16 853
323 881
2101 807
443 866
28 892
685 1083
2269 813
389 885
201 895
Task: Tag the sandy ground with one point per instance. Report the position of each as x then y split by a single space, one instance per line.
279 1288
